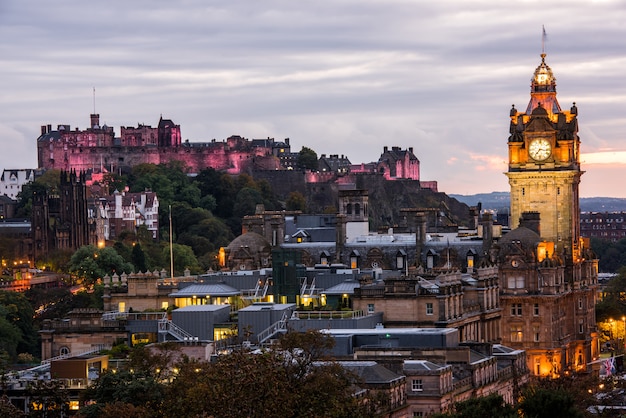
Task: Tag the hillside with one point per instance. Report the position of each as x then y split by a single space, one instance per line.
500 201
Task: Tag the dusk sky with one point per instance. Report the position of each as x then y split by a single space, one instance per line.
339 76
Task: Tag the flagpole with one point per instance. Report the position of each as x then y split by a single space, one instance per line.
171 249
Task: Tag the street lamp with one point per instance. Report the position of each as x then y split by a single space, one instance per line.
612 333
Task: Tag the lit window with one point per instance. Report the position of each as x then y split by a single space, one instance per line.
516 334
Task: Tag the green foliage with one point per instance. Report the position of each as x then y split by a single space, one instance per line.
46 183
89 264
296 201
288 381
138 258
486 406
122 387
307 159
48 398
611 255
184 258
540 402
246 201
613 303
16 324
7 409
113 182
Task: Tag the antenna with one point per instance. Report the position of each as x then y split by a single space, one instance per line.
544 37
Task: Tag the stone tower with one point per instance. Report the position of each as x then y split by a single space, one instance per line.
547 274
544 164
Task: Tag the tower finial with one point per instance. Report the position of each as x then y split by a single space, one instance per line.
543 40
94 100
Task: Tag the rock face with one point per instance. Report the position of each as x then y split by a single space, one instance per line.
386 198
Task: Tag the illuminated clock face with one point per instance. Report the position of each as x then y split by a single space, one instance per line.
539 149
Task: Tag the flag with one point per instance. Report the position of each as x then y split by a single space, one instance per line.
609 366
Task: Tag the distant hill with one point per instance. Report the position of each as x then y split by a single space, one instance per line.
501 201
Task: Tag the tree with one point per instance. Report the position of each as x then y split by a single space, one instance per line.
7 409
16 313
487 406
184 258
89 264
292 379
48 399
138 258
122 390
307 159
539 402
296 201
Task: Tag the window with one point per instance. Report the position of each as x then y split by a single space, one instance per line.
580 303
536 309
64 351
370 308
516 334
516 282
429 309
417 385
516 309
418 414
536 334
581 326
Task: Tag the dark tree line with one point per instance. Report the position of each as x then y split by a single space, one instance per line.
293 379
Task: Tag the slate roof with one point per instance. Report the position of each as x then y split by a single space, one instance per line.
212 289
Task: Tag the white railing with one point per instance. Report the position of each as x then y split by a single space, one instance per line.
273 329
168 327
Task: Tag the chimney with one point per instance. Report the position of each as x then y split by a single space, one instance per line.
420 236
411 150
287 141
385 149
43 130
487 222
531 221
340 237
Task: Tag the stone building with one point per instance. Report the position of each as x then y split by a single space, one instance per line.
11 181
125 211
60 221
97 146
548 274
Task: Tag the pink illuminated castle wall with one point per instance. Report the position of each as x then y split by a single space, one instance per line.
97 147
97 150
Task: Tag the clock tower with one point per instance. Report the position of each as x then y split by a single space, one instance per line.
547 273
544 165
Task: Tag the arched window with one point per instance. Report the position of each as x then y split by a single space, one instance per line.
349 209
357 209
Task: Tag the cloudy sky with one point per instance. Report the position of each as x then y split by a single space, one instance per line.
339 76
